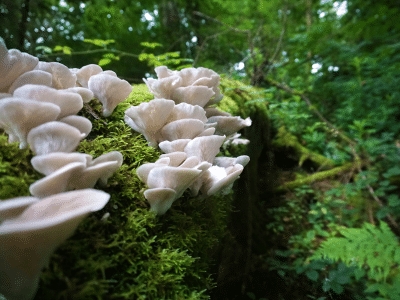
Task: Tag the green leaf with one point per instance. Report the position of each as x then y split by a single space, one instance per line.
104 61
44 48
150 45
312 275
326 286
99 42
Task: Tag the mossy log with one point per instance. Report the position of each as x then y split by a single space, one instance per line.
285 139
319 176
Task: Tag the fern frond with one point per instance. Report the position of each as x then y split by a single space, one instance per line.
369 246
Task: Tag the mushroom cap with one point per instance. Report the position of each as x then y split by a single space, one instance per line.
5 95
57 182
188 77
85 93
18 116
13 63
182 129
32 77
108 169
187 111
163 88
62 77
143 171
229 125
226 162
207 132
160 199
149 117
84 74
81 123
13 207
219 178
69 103
194 95
51 162
204 147
178 179
109 90
174 146
176 158
27 241
53 137
88 177
212 111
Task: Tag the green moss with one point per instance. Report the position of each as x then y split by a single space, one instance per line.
16 172
132 254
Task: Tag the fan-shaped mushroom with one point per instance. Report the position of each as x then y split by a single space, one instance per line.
28 240
53 137
13 63
32 77
109 90
18 116
69 103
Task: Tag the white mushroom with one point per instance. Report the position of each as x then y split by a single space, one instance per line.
149 117
60 181
229 125
53 137
173 146
219 178
84 74
31 77
69 103
18 116
231 161
185 78
109 90
110 162
13 63
194 95
182 129
205 147
176 158
13 207
5 95
85 93
143 171
163 88
212 111
160 199
187 111
28 240
62 77
88 177
81 123
51 162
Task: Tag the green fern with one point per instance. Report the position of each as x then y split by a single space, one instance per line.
370 246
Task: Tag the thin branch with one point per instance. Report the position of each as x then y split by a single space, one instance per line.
205 43
122 53
197 13
284 87
278 45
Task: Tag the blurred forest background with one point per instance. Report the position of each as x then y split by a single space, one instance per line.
328 72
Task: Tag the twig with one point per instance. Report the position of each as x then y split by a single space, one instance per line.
197 13
278 45
284 87
122 53
89 109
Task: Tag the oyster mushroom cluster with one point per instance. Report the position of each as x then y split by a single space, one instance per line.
38 106
182 121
